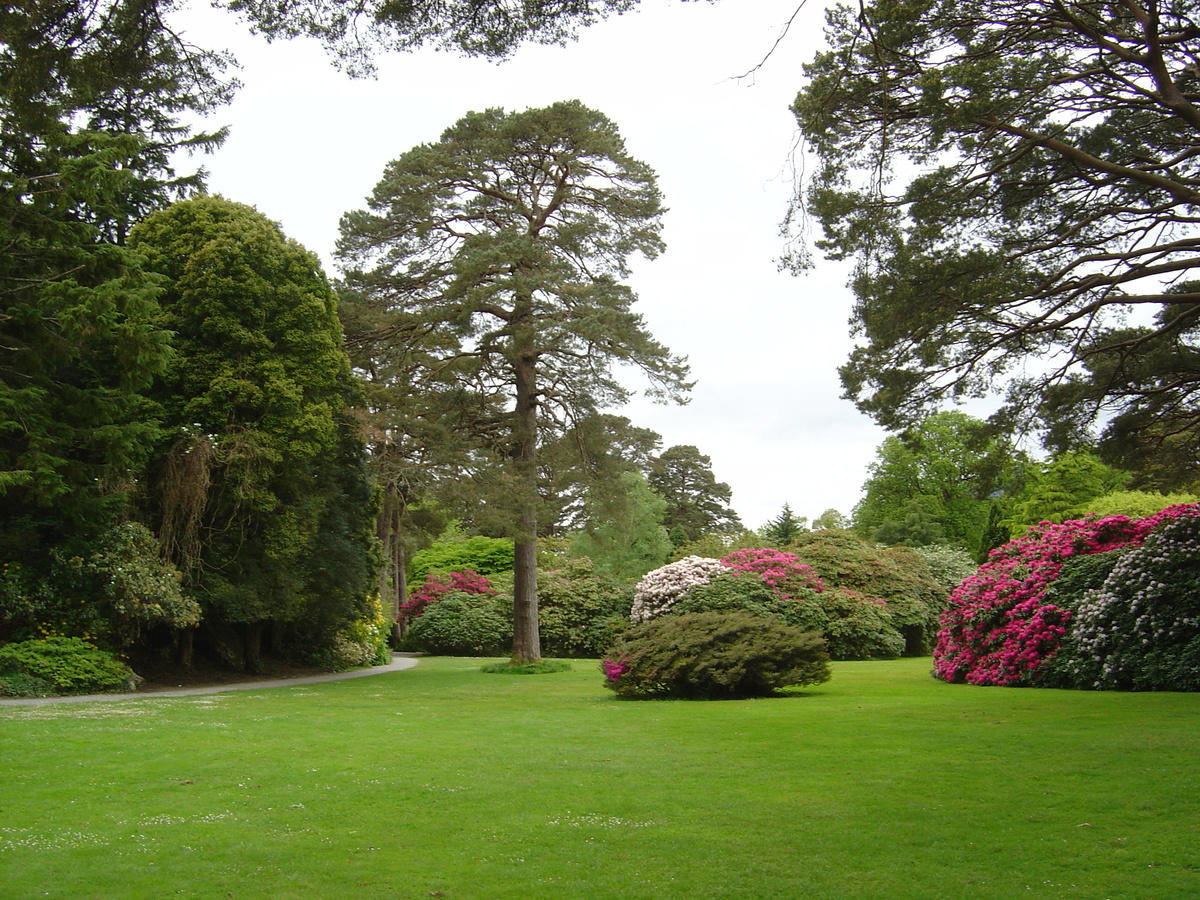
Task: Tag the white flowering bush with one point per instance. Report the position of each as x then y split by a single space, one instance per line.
662 588
1141 630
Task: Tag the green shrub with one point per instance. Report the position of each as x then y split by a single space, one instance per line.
745 593
714 656
577 609
462 624
948 565
853 626
71 665
18 684
485 555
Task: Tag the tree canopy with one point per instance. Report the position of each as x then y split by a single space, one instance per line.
1012 179
695 501
496 255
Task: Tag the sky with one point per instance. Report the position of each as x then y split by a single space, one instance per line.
308 143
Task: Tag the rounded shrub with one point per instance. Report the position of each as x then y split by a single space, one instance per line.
462 624
71 665
580 613
713 656
660 589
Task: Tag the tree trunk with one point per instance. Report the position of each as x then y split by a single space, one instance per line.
252 646
527 645
185 647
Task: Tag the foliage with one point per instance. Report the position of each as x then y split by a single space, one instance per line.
714 546
948 565
363 642
494 260
1003 623
730 592
852 625
1141 629
659 590
898 576
784 528
1134 504
71 665
260 492
462 624
94 101
625 537
1063 489
695 502
1011 178
713 656
939 474
484 555
580 610
493 30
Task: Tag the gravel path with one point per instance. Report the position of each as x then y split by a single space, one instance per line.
399 661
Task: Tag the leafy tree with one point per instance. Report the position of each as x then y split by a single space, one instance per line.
695 501
1011 178
625 537
917 529
1064 485
831 518
785 527
499 250
950 465
261 495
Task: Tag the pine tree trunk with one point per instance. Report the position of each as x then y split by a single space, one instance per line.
527 646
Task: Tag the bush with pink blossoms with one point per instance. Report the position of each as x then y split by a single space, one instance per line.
782 571
1002 628
435 587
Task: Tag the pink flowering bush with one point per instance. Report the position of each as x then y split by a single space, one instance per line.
435 587
782 571
1001 627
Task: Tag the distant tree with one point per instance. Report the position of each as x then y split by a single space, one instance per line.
951 464
1012 177
625 537
260 492
1061 489
784 528
831 518
695 501
497 251
916 529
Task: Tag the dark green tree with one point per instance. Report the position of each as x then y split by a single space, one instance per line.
500 249
785 527
1011 178
624 535
260 491
695 501
1062 489
92 101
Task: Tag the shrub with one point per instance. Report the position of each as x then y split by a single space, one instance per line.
659 590
1141 629
782 571
435 587
853 626
462 624
714 656
580 613
71 665
949 566
488 556
1003 625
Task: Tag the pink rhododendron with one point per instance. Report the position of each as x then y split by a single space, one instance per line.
782 571
998 629
435 588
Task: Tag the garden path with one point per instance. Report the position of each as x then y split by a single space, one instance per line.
399 661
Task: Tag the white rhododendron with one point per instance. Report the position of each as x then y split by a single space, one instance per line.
659 590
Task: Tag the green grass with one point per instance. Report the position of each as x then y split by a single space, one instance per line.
445 781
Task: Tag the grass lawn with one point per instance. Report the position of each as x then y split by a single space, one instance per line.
443 781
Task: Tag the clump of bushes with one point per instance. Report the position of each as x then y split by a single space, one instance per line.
1040 612
580 613
464 624
61 665
713 656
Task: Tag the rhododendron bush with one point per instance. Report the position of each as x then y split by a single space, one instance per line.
1007 624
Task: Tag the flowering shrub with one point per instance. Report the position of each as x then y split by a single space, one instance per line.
436 587
713 656
659 590
782 571
1002 628
463 624
1141 629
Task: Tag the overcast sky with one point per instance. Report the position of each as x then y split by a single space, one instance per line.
308 143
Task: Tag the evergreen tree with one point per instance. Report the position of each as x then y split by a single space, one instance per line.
496 254
695 501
